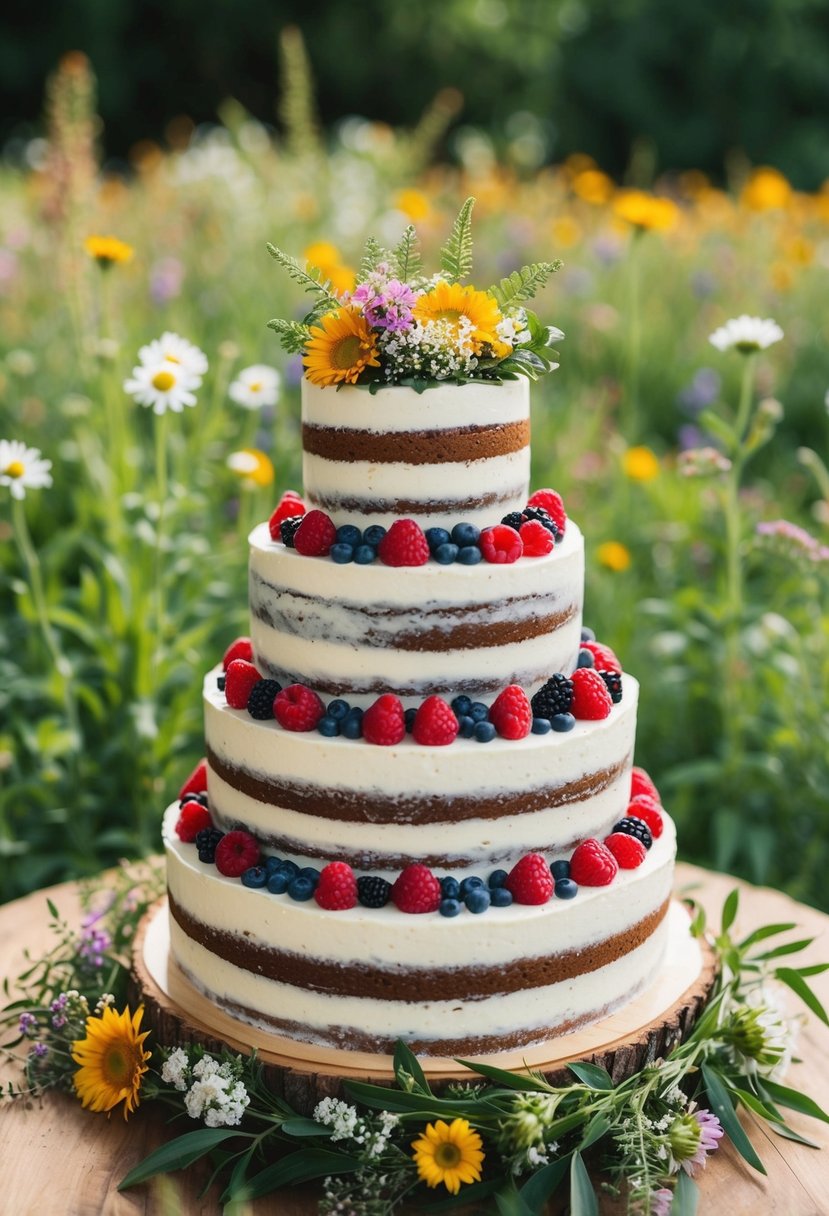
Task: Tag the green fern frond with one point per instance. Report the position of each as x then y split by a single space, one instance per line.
406 256
524 283
456 254
373 252
297 109
292 334
311 278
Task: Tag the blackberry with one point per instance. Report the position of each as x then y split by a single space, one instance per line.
206 841
260 701
514 520
543 517
555 697
613 680
631 826
200 797
409 716
372 891
288 529
220 683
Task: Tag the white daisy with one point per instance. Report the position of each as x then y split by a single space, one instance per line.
255 386
22 469
746 334
163 385
171 348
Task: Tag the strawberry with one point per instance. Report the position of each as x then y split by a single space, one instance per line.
628 851
404 545
297 708
315 535
530 881
501 545
593 865
511 713
416 890
591 700
383 722
641 783
536 539
337 887
552 504
235 853
605 659
196 783
435 724
239 680
193 817
649 811
242 648
290 504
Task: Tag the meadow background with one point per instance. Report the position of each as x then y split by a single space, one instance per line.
126 578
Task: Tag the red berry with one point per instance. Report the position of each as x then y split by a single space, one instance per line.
649 810
552 504
297 708
337 887
537 540
196 783
435 723
591 700
416 890
511 713
239 680
593 865
315 535
501 544
530 880
641 783
404 545
242 648
604 658
628 851
192 818
383 722
235 853
289 504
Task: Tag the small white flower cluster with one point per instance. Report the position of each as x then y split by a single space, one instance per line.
169 371
104 1001
371 1135
437 350
213 1090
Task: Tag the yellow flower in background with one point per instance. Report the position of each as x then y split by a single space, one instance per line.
414 204
326 257
253 466
340 348
566 232
448 1153
614 556
640 464
645 211
766 190
107 250
112 1060
593 186
449 302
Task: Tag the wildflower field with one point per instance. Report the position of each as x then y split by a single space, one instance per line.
697 470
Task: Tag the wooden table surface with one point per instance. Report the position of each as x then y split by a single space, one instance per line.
58 1160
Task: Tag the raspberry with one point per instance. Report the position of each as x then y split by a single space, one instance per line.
242 648
315 535
373 891
239 682
591 700
541 516
552 504
435 724
605 659
290 505
501 545
297 708
628 851
261 699
649 811
193 818
536 539
416 890
337 887
404 545
640 783
593 865
383 722
196 782
530 880
289 528
511 714
235 853
555 697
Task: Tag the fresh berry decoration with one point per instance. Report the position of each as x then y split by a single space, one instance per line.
603 656
537 540
261 699
530 880
315 535
501 545
337 887
207 841
511 713
297 708
193 818
631 825
242 648
613 684
591 700
289 506
416 890
196 782
628 851
383 722
373 891
235 853
404 545
649 811
239 681
552 504
592 864
555 697
641 783
288 530
435 724
539 515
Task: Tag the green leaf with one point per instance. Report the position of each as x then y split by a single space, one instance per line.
760 935
786 948
53 912
718 427
406 255
469 1194
510 1080
304 1127
523 284
686 1196
544 1183
592 1075
755 1104
582 1196
309 278
456 254
788 1133
799 986
292 335
723 1108
177 1154
729 910
815 969
405 1061
794 1100
598 1127
301 1166
510 1203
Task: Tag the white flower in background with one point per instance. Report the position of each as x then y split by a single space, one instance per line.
255 386
22 468
164 386
746 334
253 466
170 348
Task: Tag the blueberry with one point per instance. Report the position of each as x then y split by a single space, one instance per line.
435 537
469 555
278 883
328 726
566 888
272 864
465 534
256 876
289 868
460 705
220 683
337 709
500 897
478 899
449 907
586 659
587 635
446 554
373 535
466 726
497 878
450 888
470 884
364 555
560 869
347 534
409 716
310 872
484 732
562 722
300 888
352 724
341 553
478 712
541 726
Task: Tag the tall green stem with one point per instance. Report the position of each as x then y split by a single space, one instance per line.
630 423
162 491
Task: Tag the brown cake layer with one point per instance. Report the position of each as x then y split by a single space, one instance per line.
415 506
477 686
457 444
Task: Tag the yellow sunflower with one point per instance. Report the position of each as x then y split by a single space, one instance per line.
450 1154
107 250
112 1060
340 348
449 302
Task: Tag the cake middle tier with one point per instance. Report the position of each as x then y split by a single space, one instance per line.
359 631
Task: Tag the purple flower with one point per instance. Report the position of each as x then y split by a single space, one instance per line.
709 1139
27 1025
701 392
59 1003
93 946
661 1202
166 278
387 306
39 1051
794 540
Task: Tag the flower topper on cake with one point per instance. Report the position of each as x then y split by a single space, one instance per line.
402 326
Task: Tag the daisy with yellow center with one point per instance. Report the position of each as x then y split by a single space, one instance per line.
340 349
162 386
112 1060
452 303
254 467
22 468
107 250
448 1153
